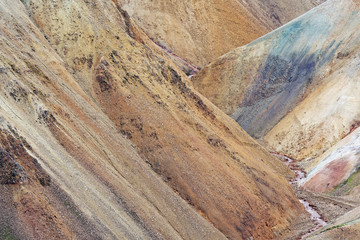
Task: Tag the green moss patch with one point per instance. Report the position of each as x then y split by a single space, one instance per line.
6 234
349 184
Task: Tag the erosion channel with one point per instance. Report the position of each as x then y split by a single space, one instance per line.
299 175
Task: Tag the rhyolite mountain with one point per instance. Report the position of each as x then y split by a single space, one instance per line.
296 87
199 31
296 91
103 137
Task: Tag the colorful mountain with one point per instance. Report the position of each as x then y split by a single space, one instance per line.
296 91
103 137
295 88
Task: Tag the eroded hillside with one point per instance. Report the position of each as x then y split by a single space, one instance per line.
200 31
95 184
104 137
296 90
275 13
283 86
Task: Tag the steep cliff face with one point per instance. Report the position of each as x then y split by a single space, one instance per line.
200 31
108 138
295 87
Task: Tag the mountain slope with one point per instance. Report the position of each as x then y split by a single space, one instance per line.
66 172
337 168
273 14
296 90
197 31
102 110
200 31
345 227
295 87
